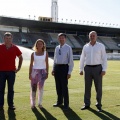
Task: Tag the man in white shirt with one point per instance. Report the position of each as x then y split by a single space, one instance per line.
94 62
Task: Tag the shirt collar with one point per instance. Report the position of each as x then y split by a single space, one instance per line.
62 46
94 44
5 45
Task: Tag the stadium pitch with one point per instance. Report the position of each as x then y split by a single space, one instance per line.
110 100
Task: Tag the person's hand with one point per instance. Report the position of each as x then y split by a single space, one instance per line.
46 75
52 73
68 76
103 73
29 76
17 70
81 73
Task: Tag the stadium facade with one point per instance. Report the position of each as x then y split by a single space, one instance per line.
26 32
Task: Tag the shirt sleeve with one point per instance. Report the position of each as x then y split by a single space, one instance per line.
70 63
18 52
104 59
54 59
82 59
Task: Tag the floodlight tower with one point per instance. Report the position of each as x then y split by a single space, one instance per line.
54 10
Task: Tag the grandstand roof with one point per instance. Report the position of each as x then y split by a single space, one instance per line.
55 26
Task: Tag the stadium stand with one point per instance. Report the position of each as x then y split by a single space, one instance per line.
32 37
117 40
1 39
16 37
81 42
101 41
74 41
109 42
27 38
84 38
26 32
54 38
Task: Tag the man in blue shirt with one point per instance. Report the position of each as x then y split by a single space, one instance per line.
62 68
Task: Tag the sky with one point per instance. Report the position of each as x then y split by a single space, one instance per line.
97 12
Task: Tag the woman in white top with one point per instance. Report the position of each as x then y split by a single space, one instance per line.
38 71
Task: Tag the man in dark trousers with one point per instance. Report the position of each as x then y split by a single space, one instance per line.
94 62
8 70
62 68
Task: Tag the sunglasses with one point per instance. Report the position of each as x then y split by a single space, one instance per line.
59 51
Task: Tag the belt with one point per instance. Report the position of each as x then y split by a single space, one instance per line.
93 65
61 64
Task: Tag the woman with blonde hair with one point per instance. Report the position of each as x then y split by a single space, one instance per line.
38 71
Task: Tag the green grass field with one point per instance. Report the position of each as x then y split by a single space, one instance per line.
110 101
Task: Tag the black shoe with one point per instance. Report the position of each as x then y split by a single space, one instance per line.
1 108
11 108
99 108
57 105
85 107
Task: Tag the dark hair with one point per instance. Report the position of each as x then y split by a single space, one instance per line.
62 34
8 34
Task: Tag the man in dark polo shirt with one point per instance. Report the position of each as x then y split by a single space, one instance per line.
8 54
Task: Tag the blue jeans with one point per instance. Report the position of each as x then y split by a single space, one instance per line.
10 77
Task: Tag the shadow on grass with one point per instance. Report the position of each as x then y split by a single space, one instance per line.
70 114
38 115
47 114
11 115
2 115
104 115
111 115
